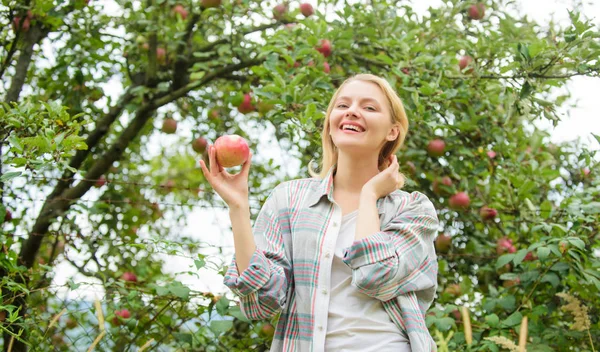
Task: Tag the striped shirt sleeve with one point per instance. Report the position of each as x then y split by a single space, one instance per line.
262 287
401 257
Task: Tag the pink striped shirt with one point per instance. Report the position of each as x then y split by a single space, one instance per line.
296 232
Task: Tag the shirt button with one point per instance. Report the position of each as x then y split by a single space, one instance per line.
320 328
335 224
324 292
327 255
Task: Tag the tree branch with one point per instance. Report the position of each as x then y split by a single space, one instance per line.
59 204
33 36
532 75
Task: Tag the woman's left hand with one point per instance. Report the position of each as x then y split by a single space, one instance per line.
385 182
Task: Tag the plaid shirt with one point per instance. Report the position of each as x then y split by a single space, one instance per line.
296 232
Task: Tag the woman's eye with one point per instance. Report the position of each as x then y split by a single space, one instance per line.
370 108
342 106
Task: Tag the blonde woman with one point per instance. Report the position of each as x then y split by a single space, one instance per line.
345 256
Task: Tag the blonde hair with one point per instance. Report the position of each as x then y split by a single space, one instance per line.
398 116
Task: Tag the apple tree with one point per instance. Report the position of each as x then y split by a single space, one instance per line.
108 106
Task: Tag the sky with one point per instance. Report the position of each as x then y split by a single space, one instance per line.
577 123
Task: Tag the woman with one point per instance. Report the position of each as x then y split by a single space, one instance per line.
345 256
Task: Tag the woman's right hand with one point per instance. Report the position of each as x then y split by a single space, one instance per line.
232 188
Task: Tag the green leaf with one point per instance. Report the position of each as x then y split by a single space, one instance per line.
504 259
10 175
519 256
560 267
221 326
513 320
180 291
200 263
551 278
577 242
492 320
543 253
444 324
222 306
236 312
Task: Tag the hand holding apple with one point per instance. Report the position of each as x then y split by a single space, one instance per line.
232 188
385 182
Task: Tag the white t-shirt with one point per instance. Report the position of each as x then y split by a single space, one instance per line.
357 322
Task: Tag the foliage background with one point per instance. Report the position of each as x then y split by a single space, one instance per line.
62 128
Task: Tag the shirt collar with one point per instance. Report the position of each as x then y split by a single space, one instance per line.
325 188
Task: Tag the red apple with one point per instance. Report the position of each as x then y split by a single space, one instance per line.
511 283
491 154
129 276
71 323
446 181
476 11
180 10
453 290
306 9
457 316
464 62
161 55
246 105
459 200
529 257
123 314
199 145
213 114
210 3
169 126
443 243
100 182
324 47
279 11
436 147
505 245
231 150
326 67
8 216
268 330
487 213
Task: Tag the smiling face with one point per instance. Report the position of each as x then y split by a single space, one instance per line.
360 121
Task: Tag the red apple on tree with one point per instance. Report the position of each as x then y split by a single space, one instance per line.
505 245
121 314
246 105
487 213
180 10
459 200
199 145
476 11
279 11
306 9
231 150
436 147
100 181
453 290
491 154
169 125
8 216
161 55
326 67
464 62
445 181
268 330
443 243
129 276
324 47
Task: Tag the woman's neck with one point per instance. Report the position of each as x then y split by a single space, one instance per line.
353 172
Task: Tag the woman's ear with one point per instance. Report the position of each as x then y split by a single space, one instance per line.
393 133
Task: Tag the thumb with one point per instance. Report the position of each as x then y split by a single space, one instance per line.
246 167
